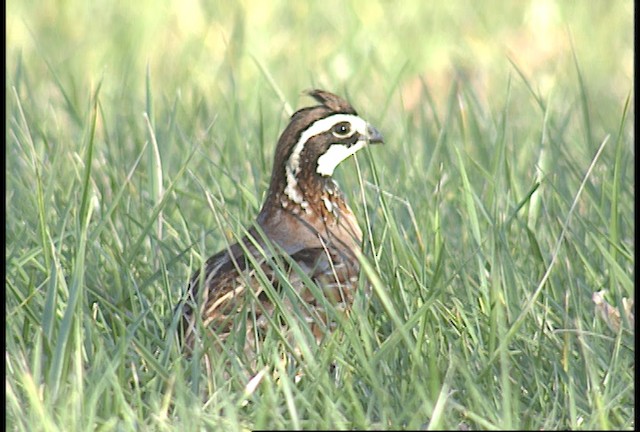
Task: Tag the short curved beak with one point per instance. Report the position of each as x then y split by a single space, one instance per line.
373 135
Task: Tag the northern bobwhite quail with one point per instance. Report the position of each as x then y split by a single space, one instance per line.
304 216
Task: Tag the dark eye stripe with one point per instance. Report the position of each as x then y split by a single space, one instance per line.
352 139
318 127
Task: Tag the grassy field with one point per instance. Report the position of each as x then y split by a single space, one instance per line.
139 139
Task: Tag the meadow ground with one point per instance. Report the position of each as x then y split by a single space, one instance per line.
139 140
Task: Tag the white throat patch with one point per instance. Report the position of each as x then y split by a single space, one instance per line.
328 161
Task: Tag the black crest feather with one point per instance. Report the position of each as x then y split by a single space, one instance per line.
332 101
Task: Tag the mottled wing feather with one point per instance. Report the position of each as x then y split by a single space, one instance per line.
222 294
231 283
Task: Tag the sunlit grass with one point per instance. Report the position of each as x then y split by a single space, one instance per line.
501 201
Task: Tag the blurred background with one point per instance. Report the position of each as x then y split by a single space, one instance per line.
217 48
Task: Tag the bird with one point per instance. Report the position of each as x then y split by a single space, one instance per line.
304 224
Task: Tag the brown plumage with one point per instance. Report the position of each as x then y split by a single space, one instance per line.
304 219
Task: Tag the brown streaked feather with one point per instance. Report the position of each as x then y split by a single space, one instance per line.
231 285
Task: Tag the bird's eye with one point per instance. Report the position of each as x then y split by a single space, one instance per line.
342 130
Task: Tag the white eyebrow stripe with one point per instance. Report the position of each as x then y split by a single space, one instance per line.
318 127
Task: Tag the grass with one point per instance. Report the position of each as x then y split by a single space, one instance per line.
138 144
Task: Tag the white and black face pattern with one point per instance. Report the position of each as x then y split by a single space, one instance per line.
322 146
331 140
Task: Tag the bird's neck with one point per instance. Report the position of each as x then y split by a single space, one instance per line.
308 196
317 208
